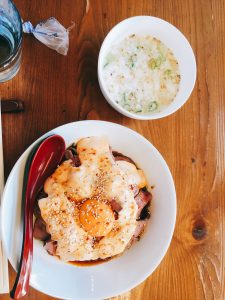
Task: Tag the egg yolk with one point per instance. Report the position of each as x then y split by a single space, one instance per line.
96 217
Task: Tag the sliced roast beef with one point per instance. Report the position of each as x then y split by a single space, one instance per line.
115 206
50 246
142 199
76 161
135 189
74 157
140 229
41 195
37 211
145 214
138 232
40 231
120 156
68 154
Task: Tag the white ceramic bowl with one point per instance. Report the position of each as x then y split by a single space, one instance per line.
66 281
173 39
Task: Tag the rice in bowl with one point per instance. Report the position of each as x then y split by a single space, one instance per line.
141 74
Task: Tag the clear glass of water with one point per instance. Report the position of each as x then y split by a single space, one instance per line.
10 40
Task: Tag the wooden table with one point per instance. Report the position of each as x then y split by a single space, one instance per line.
57 90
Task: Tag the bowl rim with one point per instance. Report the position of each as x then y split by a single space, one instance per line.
119 108
173 218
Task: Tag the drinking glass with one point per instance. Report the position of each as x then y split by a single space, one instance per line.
10 40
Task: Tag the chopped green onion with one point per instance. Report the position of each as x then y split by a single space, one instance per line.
131 61
161 52
168 72
152 63
109 58
106 64
124 98
162 57
153 106
158 61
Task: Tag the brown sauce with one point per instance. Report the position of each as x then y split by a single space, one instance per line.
88 263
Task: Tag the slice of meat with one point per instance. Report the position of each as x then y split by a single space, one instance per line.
37 211
115 206
74 157
120 156
68 154
142 199
76 161
135 189
40 231
51 246
138 232
145 214
41 194
140 229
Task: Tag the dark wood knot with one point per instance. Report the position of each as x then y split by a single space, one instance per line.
199 230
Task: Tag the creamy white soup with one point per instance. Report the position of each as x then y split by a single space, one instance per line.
141 74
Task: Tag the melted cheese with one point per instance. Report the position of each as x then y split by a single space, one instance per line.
99 177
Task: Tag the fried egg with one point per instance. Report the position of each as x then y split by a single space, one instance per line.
77 211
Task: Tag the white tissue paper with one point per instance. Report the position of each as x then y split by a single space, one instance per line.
51 33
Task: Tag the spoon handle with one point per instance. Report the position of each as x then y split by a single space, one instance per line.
21 284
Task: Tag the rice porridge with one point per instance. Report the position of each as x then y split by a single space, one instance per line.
141 74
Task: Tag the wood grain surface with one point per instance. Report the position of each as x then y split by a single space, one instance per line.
57 90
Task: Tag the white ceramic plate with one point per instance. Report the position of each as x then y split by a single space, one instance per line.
173 39
66 281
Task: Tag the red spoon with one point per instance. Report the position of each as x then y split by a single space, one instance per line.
40 164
